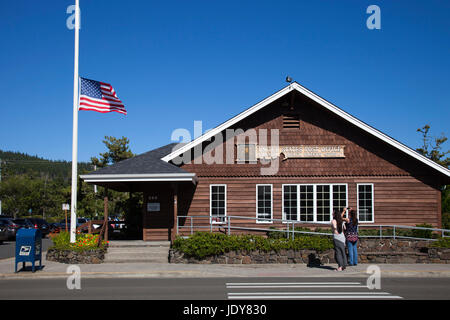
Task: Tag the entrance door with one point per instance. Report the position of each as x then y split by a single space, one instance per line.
157 215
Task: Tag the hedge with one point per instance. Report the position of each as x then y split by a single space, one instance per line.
203 244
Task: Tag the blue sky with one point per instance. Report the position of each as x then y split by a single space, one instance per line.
173 62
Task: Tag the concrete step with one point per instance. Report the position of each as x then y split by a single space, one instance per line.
134 258
137 251
138 243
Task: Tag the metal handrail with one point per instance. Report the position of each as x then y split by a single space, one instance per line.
290 227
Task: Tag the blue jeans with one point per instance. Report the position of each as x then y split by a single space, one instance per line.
352 252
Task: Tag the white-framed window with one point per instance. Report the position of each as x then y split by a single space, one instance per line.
290 202
365 202
307 203
218 202
264 203
313 202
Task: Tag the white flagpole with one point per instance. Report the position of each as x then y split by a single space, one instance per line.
73 207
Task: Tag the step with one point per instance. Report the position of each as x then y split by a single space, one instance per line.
146 251
140 259
132 258
138 243
138 251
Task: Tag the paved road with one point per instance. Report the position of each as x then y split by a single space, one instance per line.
7 249
227 288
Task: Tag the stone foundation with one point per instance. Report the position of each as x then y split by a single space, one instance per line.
369 251
95 256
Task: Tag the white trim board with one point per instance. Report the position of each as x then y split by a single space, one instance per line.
295 86
139 177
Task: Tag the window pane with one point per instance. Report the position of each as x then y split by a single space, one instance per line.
339 197
307 203
290 202
264 195
218 202
365 208
323 203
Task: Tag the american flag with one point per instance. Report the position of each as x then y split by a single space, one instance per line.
99 96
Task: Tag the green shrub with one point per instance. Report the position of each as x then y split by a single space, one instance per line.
441 243
83 241
203 244
418 233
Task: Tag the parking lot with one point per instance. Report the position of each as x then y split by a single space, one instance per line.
7 249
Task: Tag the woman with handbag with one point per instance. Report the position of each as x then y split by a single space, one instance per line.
351 236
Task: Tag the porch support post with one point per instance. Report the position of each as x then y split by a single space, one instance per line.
106 213
175 214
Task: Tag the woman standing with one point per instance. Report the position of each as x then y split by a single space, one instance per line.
351 235
337 227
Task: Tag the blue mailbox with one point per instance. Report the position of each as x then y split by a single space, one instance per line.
28 247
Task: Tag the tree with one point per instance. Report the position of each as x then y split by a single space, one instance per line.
118 150
432 149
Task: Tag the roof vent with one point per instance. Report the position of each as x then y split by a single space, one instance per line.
291 121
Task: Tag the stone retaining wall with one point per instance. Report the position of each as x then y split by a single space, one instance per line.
369 251
76 257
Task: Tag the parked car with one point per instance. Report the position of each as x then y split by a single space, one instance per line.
3 231
62 224
11 227
40 224
23 223
55 227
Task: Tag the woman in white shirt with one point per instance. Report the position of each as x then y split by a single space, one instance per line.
337 227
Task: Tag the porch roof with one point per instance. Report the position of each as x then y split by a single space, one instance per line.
146 167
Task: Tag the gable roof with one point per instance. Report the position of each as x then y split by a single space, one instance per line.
326 104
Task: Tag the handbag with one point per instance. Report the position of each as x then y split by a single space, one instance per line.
352 236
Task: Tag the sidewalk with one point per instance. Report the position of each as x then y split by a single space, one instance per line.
166 270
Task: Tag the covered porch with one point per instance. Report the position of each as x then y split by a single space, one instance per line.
167 189
163 200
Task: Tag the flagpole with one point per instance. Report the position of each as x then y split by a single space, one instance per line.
73 207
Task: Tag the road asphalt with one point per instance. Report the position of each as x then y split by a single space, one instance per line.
227 288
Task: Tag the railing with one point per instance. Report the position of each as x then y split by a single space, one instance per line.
224 222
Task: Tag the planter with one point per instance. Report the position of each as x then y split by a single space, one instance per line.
93 256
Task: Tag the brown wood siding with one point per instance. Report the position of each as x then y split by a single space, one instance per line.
397 200
365 155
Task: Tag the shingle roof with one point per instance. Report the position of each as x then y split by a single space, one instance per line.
145 163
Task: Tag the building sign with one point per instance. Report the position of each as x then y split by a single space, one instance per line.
302 151
153 206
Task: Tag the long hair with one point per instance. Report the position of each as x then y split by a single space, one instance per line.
353 217
338 217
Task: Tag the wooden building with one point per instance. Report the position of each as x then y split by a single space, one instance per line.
293 156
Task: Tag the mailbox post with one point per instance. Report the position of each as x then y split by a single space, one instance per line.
28 247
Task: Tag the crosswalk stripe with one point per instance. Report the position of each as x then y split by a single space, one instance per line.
296 286
293 283
305 293
314 297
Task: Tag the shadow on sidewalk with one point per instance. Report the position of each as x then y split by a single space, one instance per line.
314 262
30 268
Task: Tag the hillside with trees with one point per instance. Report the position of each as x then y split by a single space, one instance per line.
34 186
